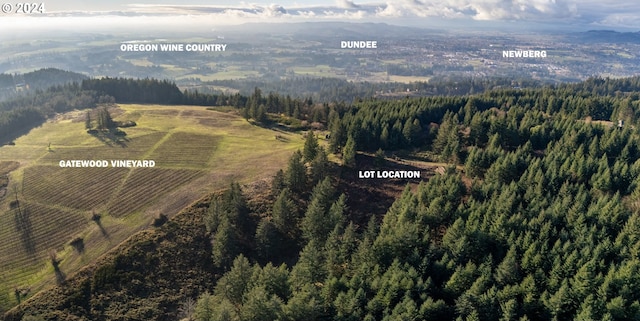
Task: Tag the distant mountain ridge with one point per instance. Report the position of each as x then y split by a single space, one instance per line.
609 36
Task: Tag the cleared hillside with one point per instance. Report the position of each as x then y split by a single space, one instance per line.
196 151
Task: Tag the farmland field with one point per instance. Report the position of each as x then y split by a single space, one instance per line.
186 150
85 188
195 150
144 185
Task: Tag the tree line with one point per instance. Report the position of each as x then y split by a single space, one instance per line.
329 90
15 85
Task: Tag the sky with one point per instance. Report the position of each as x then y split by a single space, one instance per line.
86 15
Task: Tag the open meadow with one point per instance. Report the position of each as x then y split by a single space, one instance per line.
72 216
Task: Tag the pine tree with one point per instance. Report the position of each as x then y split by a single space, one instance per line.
260 306
384 136
296 112
562 304
447 126
236 282
473 164
87 122
337 212
310 267
478 131
310 147
227 219
337 136
246 112
349 153
316 224
268 239
274 279
225 244
585 280
407 132
507 271
104 119
205 307
261 115
278 183
284 214
411 132
296 174
305 304
509 310
319 166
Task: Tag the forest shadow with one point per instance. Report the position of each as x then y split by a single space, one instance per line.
78 244
97 219
22 221
112 137
60 276
9 137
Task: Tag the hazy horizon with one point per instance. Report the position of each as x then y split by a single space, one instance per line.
159 15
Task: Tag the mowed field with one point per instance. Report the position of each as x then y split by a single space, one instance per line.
196 151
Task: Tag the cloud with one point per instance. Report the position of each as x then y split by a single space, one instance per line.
522 9
274 10
623 13
621 20
480 9
347 4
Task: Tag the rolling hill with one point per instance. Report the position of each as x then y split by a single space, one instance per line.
44 208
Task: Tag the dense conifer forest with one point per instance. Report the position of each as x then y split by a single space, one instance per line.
536 218
542 223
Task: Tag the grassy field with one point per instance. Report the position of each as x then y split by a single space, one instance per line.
318 71
196 151
408 79
229 73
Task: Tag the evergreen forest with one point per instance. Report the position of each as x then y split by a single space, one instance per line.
539 221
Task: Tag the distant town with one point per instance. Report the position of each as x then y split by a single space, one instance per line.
376 53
